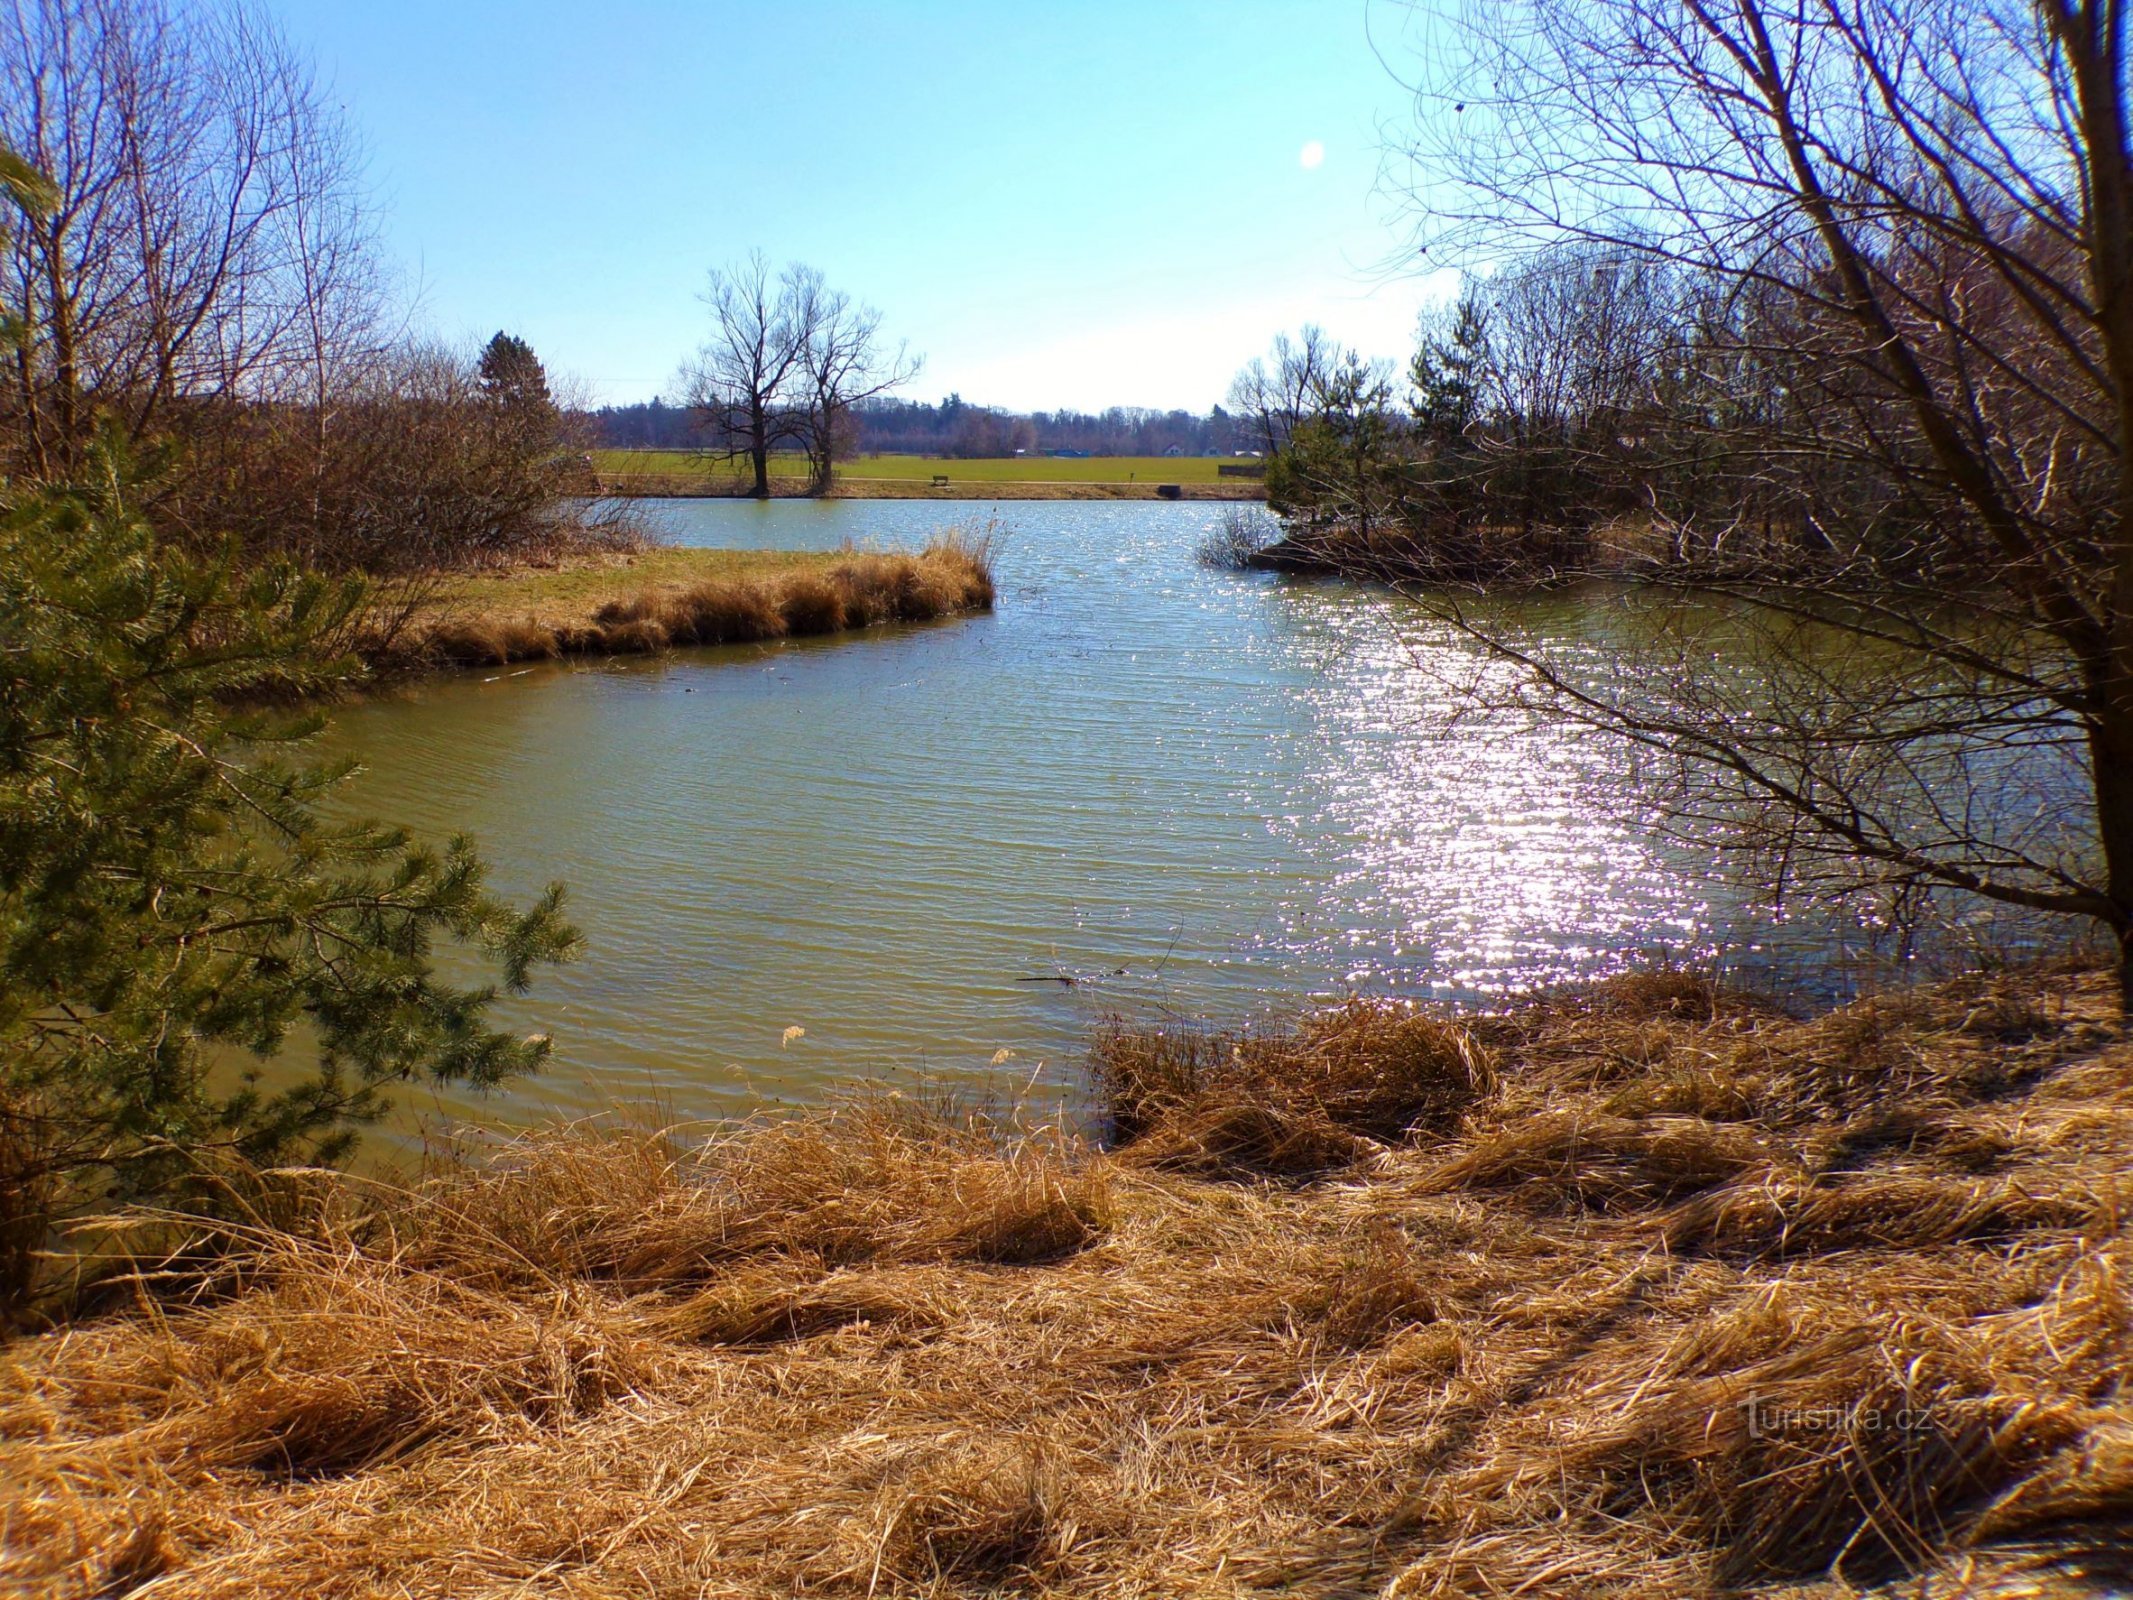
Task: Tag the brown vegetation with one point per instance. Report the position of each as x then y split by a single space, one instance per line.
763 596
1641 1291
201 290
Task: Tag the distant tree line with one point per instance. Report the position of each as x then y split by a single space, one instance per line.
955 427
791 364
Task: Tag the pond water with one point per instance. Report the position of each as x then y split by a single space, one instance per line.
1184 790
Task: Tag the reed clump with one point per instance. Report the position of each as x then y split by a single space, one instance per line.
1640 1292
950 576
1287 1100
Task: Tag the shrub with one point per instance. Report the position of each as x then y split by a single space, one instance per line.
1242 534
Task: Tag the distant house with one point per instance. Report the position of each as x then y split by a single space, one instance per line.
1068 455
1175 450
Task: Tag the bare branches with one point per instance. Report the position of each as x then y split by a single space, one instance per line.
1276 394
207 244
788 359
740 381
845 361
1901 252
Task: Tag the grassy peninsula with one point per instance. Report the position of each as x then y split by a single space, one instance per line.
636 601
1645 1290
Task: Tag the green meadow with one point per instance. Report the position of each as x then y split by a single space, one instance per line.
923 469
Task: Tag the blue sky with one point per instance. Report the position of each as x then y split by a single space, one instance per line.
1082 203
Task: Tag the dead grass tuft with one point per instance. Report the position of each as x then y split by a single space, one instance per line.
1590 1159
492 642
1378 1292
783 1301
1292 1101
1795 1215
723 613
886 1180
987 1515
337 1360
1661 992
812 605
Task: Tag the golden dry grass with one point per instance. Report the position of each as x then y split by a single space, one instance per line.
652 601
1641 1292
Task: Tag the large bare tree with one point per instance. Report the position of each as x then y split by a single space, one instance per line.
787 359
844 361
1912 223
202 281
745 384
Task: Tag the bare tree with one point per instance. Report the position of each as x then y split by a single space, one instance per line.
1277 392
207 246
201 278
1927 212
844 361
746 383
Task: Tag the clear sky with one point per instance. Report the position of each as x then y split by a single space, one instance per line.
1080 203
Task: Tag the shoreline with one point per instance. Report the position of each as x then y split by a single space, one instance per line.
1388 1301
683 486
644 601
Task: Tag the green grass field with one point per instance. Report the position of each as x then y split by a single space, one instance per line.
923 469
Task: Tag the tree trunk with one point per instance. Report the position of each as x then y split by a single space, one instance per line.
2111 761
59 325
759 455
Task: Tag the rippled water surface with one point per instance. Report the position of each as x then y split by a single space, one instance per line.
1175 787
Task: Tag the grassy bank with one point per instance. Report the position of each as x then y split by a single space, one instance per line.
681 472
650 600
1639 1292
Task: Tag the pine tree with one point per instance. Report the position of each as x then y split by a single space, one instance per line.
512 377
1448 374
170 895
177 916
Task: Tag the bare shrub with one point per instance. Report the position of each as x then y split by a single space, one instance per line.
1242 534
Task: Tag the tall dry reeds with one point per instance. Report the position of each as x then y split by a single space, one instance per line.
1642 1292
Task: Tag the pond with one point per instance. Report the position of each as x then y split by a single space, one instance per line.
1139 786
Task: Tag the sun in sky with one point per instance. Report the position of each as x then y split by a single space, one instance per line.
1312 156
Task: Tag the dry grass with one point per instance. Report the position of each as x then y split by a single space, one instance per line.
652 601
1288 1101
1641 1292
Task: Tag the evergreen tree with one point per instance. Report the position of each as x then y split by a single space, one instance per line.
512 376
1448 374
172 901
176 914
